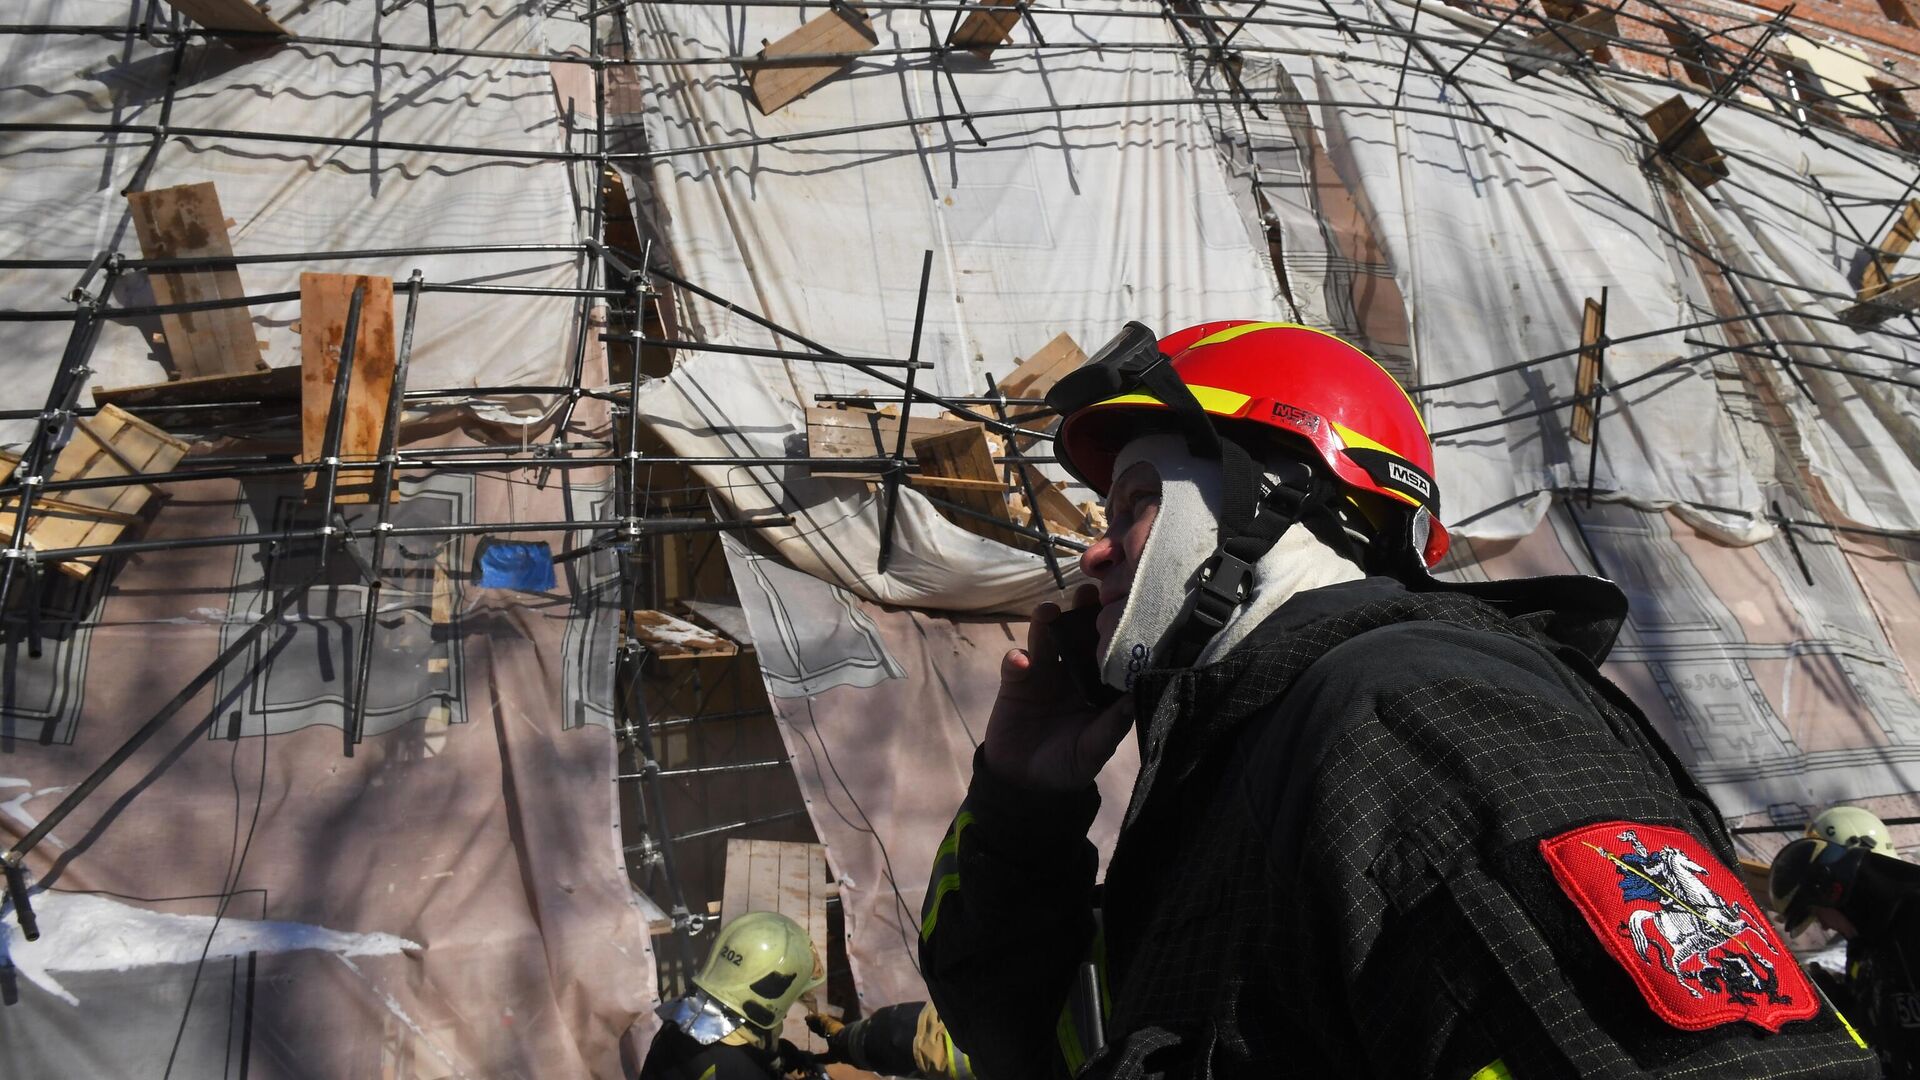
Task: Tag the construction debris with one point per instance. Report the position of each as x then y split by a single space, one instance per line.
1684 143
670 638
986 27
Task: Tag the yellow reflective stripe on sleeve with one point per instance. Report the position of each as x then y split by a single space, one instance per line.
950 883
711 1070
1067 1034
1857 1040
1496 1071
951 844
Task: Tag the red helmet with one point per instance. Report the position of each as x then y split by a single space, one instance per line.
1293 379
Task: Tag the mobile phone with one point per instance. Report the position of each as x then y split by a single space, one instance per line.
1076 642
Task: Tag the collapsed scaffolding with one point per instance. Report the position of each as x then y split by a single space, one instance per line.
621 289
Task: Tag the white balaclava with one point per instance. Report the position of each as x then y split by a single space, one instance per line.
1185 532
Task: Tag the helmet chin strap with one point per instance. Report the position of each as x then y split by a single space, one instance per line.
1187 585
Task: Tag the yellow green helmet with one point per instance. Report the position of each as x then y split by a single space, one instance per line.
1851 826
760 965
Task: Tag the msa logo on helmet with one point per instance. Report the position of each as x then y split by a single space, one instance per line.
1298 417
1409 478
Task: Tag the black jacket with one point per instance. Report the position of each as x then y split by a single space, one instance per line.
1883 962
675 1055
1332 865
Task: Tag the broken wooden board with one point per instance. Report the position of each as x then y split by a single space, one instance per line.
324 302
110 443
668 638
787 878
1571 39
1684 143
1900 298
986 27
866 433
1056 510
186 222
230 16
829 42
964 455
1037 373
1877 277
1587 376
250 396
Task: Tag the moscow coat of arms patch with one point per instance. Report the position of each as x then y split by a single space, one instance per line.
1683 926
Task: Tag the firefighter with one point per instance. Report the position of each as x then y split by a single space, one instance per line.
897 1040
728 1028
1847 876
1384 825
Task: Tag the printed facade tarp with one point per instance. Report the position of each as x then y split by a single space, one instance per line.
425 906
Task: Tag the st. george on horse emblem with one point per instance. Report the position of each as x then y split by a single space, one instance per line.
1685 928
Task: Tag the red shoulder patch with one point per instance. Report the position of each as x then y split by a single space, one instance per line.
1683 925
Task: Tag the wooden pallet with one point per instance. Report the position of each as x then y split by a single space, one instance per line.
183 223
986 27
783 877
111 443
964 455
833 40
324 302
1899 298
864 433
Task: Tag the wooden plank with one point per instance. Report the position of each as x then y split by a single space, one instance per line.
1876 278
1684 143
1056 509
821 886
1587 376
733 895
986 27
182 223
324 300
763 876
1037 373
261 386
442 609
1576 37
668 638
794 896
234 15
864 433
1900 297
964 454
112 443
833 39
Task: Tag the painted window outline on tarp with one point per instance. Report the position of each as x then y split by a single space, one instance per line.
588 649
69 612
328 621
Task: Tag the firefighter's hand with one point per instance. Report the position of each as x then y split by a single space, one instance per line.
1042 733
823 1025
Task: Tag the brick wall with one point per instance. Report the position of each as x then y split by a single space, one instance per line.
1852 64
